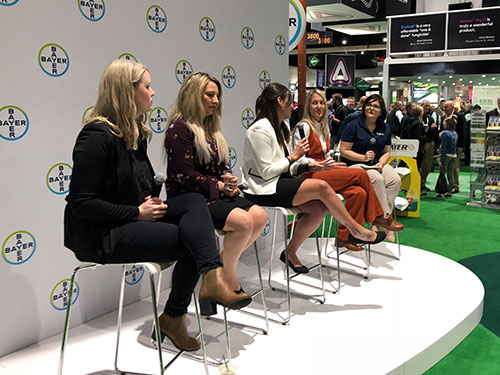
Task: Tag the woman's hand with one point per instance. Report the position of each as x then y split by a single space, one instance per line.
152 209
230 182
369 155
300 150
379 167
232 192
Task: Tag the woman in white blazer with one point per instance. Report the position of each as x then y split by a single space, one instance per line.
271 175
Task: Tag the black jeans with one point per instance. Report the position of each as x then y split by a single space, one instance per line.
185 234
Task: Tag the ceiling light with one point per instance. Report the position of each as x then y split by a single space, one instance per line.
461 79
419 77
428 79
444 81
362 52
453 83
487 84
479 83
470 81
385 39
493 78
484 75
450 77
344 42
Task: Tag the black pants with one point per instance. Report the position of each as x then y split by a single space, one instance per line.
185 234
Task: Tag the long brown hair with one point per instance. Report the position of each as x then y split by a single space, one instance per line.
115 104
265 106
189 107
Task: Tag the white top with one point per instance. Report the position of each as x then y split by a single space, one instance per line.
263 159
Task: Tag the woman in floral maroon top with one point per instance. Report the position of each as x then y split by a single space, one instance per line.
197 162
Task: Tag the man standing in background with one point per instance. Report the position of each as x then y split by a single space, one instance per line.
449 110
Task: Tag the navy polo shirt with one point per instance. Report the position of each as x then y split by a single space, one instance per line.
357 133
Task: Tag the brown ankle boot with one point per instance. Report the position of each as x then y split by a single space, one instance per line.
216 290
175 329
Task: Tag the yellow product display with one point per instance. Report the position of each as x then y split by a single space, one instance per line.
410 185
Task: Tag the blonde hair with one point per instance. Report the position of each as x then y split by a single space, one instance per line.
189 107
325 131
417 111
450 122
115 104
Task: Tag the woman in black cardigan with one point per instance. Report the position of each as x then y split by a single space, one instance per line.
110 216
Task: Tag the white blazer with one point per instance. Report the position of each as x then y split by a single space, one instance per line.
263 159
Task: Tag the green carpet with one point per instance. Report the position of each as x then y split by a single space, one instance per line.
469 235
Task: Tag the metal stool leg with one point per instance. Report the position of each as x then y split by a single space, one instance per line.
261 283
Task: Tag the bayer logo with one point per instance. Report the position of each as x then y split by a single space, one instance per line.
266 228
60 294
53 60
19 247
8 2
228 76
247 117
14 123
157 19
207 29
58 178
247 37
133 274
93 10
264 79
157 120
233 157
182 70
127 56
86 112
280 44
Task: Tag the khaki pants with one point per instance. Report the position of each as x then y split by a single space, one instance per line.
385 184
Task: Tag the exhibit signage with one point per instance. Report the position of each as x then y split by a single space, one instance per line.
418 33
340 70
474 29
369 7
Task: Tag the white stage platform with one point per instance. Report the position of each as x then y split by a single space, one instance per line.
402 320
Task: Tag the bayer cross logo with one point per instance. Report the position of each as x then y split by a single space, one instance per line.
86 112
247 117
93 10
53 60
8 2
280 44
182 70
158 120
233 157
264 79
133 274
60 294
157 18
58 178
266 228
247 37
14 123
207 29
127 56
19 247
228 76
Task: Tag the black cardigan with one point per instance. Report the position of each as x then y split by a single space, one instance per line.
103 192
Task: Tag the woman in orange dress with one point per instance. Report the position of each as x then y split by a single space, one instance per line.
354 184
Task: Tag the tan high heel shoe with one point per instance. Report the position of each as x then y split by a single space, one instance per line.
216 290
175 329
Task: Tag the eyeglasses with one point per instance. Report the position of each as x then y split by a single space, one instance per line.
376 106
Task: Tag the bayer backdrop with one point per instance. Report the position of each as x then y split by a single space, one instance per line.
53 54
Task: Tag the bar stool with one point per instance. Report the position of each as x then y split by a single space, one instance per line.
339 253
219 234
285 212
152 268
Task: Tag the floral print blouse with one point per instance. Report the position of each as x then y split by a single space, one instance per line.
184 171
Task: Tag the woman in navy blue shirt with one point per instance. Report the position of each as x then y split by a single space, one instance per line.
366 144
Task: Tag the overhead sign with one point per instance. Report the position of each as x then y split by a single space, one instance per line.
418 33
316 62
363 85
296 23
319 38
340 70
474 29
369 7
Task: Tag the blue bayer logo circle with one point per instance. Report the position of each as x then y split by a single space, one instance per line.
53 60
58 178
156 18
133 274
247 37
182 70
264 79
158 119
247 117
233 157
228 76
127 56
265 232
59 297
93 10
8 2
14 123
280 44
207 29
18 247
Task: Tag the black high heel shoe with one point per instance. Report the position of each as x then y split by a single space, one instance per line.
300 269
356 241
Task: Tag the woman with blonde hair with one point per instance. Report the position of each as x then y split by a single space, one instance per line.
111 217
198 162
271 173
354 184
